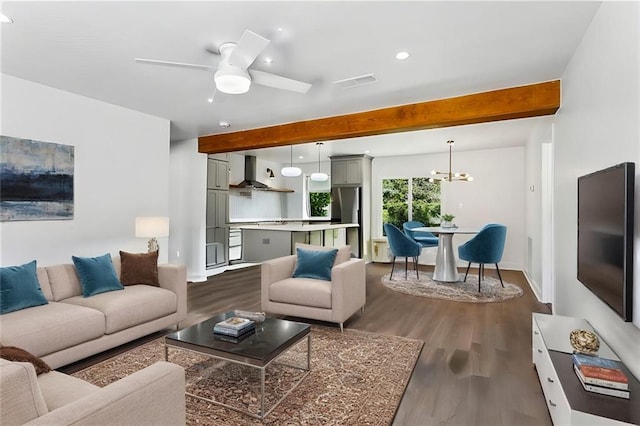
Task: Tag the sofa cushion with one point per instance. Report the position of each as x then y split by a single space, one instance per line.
43 279
139 268
12 353
64 281
20 396
60 389
45 329
302 291
134 305
314 264
97 274
20 288
344 252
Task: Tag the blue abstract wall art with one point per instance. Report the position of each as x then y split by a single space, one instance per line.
36 180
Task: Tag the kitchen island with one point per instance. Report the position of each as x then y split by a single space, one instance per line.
266 241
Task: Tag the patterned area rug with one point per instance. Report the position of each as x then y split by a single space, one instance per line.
356 378
491 290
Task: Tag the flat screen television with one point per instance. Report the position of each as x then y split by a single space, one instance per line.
605 235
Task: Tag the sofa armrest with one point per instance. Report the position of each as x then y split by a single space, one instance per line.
275 270
174 278
20 396
152 396
349 289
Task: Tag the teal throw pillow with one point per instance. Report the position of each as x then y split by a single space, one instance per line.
19 288
97 274
314 264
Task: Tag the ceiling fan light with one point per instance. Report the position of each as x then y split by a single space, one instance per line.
319 177
291 171
232 81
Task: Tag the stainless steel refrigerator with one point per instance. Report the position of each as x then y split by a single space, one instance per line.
346 205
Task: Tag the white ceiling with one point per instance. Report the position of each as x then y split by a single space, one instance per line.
456 48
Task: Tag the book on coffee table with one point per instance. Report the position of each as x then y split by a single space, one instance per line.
234 326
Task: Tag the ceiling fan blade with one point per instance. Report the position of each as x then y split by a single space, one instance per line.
247 49
174 64
278 82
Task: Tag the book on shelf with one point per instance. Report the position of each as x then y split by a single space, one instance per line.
603 390
600 371
234 333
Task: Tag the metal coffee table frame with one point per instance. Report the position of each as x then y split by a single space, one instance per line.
249 362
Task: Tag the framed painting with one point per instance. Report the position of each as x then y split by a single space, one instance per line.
36 180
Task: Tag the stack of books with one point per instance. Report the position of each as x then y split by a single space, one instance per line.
601 375
234 327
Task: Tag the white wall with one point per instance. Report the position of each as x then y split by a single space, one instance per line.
188 194
597 127
121 163
496 195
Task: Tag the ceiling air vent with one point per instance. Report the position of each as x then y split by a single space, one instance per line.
361 80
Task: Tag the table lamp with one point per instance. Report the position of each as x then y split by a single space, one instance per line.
153 228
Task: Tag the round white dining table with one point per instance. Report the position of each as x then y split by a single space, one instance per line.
446 269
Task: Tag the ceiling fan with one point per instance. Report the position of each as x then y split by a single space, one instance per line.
233 75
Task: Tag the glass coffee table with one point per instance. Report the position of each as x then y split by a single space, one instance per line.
272 338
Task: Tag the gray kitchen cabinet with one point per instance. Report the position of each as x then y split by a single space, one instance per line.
217 217
346 171
217 174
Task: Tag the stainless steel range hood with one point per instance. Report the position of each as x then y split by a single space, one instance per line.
250 177
250 180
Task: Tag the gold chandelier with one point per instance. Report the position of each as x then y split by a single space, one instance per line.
449 176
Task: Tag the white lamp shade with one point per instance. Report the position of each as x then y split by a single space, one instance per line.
291 171
319 177
232 81
150 227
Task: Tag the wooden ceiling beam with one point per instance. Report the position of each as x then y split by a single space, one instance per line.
533 100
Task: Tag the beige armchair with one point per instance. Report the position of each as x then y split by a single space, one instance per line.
333 301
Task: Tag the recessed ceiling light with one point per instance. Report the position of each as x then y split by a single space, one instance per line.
402 55
5 19
280 29
210 100
300 157
224 123
268 60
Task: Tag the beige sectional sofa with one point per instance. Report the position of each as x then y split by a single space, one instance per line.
71 327
151 396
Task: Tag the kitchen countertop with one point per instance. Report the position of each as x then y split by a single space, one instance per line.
296 227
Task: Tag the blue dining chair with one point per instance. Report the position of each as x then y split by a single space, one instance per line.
425 239
402 246
486 247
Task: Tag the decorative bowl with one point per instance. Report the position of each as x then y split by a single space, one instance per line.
584 341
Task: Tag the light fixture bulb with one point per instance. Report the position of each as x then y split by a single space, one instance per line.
433 172
402 55
233 81
470 178
319 177
291 171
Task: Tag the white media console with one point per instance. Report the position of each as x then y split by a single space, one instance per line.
568 402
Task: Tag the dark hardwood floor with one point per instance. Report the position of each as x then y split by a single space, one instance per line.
475 367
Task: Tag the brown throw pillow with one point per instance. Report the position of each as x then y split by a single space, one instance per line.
11 353
139 268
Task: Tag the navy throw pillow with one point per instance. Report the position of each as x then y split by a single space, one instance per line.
97 274
314 264
19 288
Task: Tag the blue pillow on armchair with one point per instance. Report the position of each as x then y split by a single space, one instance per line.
19 288
97 274
314 264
